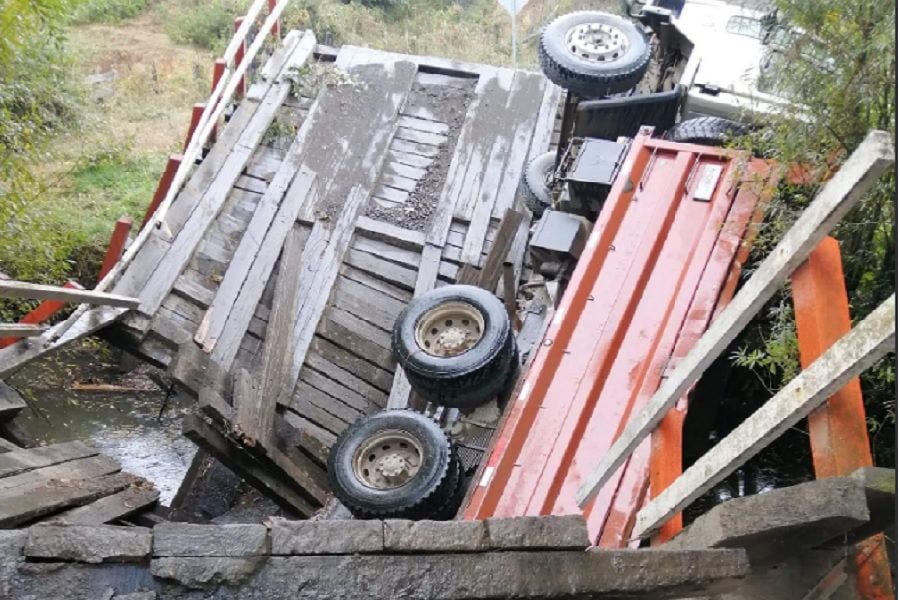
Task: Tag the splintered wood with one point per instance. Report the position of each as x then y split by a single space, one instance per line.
70 483
320 212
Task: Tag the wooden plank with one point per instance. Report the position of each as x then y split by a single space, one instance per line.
390 194
35 291
866 343
351 341
53 496
227 321
172 327
855 177
489 91
392 234
393 289
409 158
516 254
493 266
321 272
546 119
121 505
355 364
423 150
468 275
193 369
231 454
427 125
434 64
11 403
364 329
314 440
480 205
21 330
388 251
307 394
366 303
346 378
398 182
82 468
303 405
255 415
337 389
27 459
268 227
399 169
528 97
421 137
394 276
251 184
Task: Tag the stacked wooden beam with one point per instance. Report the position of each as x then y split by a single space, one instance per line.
68 483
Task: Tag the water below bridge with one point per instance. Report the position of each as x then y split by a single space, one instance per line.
80 393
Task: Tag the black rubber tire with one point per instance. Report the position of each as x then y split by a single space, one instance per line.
454 499
587 78
708 131
423 495
469 379
535 191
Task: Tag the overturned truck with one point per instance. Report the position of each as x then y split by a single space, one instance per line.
446 295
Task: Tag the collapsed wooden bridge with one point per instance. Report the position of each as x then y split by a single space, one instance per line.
345 182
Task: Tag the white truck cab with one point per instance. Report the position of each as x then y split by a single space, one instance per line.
728 48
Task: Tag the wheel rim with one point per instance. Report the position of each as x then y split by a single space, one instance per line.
450 329
596 42
388 460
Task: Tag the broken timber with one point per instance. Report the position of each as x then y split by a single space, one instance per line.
36 483
272 288
34 291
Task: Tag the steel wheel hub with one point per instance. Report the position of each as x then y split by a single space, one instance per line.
450 329
596 42
388 460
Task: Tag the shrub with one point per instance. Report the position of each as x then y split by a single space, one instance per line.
206 24
106 11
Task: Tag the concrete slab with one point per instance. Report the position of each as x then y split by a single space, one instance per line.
235 540
88 543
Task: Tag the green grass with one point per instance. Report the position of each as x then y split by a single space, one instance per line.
106 186
106 11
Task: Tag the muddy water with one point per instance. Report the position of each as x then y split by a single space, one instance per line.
130 425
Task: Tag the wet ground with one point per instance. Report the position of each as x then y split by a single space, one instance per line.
80 393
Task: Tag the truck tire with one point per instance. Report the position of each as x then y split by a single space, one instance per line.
393 464
593 54
535 184
456 345
454 500
709 131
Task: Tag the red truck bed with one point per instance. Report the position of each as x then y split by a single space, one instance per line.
662 255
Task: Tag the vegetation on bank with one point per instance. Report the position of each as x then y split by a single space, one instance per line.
842 63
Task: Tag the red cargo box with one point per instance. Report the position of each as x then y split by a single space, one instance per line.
660 258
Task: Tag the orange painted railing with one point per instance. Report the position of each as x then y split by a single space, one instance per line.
198 128
838 433
41 314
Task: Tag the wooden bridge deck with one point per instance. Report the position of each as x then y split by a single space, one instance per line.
380 179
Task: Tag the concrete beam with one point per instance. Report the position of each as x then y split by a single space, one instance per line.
775 525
